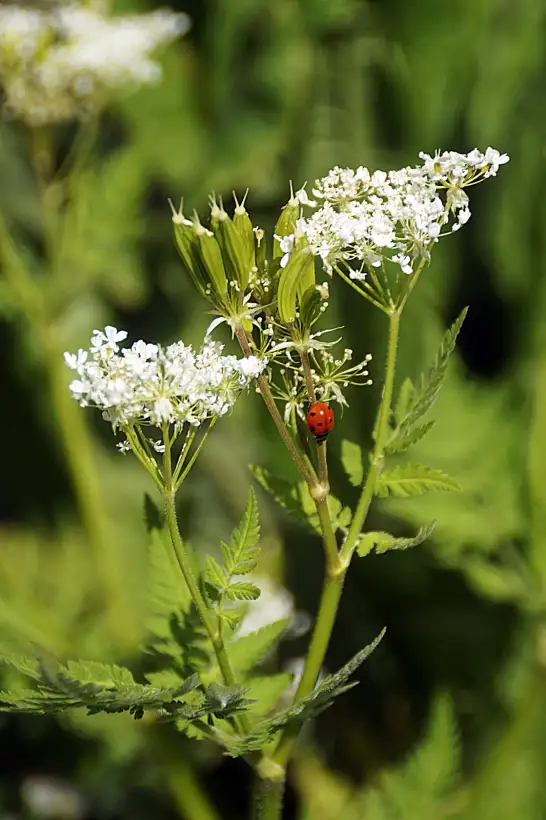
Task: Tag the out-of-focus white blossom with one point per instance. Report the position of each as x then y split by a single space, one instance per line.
368 218
274 604
150 385
50 797
68 61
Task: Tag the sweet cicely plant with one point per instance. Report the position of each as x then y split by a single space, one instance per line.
375 233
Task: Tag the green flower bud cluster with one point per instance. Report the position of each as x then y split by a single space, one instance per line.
221 260
228 263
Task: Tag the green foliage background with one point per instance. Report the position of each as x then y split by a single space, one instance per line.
260 93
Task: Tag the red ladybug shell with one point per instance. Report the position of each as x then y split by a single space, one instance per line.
320 421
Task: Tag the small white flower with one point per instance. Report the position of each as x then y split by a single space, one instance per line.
76 360
303 198
286 244
149 385
251 367
394 216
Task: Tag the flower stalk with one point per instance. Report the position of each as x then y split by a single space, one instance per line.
271 792
184 562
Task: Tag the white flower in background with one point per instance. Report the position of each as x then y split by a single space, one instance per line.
274 604
396 216
66 62
150 385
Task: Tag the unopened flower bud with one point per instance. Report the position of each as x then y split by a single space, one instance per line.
212 257
188 248
231 245
243 223
286 224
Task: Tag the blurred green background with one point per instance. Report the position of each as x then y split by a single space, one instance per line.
260 93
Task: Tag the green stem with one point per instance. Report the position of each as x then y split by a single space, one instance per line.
328 608
270 789
361 291
179 478
320 492
141 452
378 455
269 401
184 562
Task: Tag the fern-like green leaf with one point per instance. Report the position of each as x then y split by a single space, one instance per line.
242 591
214 573
296 500
29 667
290 496
420 787
323 695
405 400
400 442
266 692
98 688
248 650
384 541
241 556
351 458
405 480
429 388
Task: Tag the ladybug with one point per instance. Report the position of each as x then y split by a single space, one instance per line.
320 421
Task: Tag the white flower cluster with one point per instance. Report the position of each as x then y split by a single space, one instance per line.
67 61
150 385
368 218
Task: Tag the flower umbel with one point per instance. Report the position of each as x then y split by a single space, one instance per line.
67 62
368 218
147 384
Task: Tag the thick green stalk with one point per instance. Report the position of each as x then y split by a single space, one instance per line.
206 615
268 791
326 618
271 789
378 456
